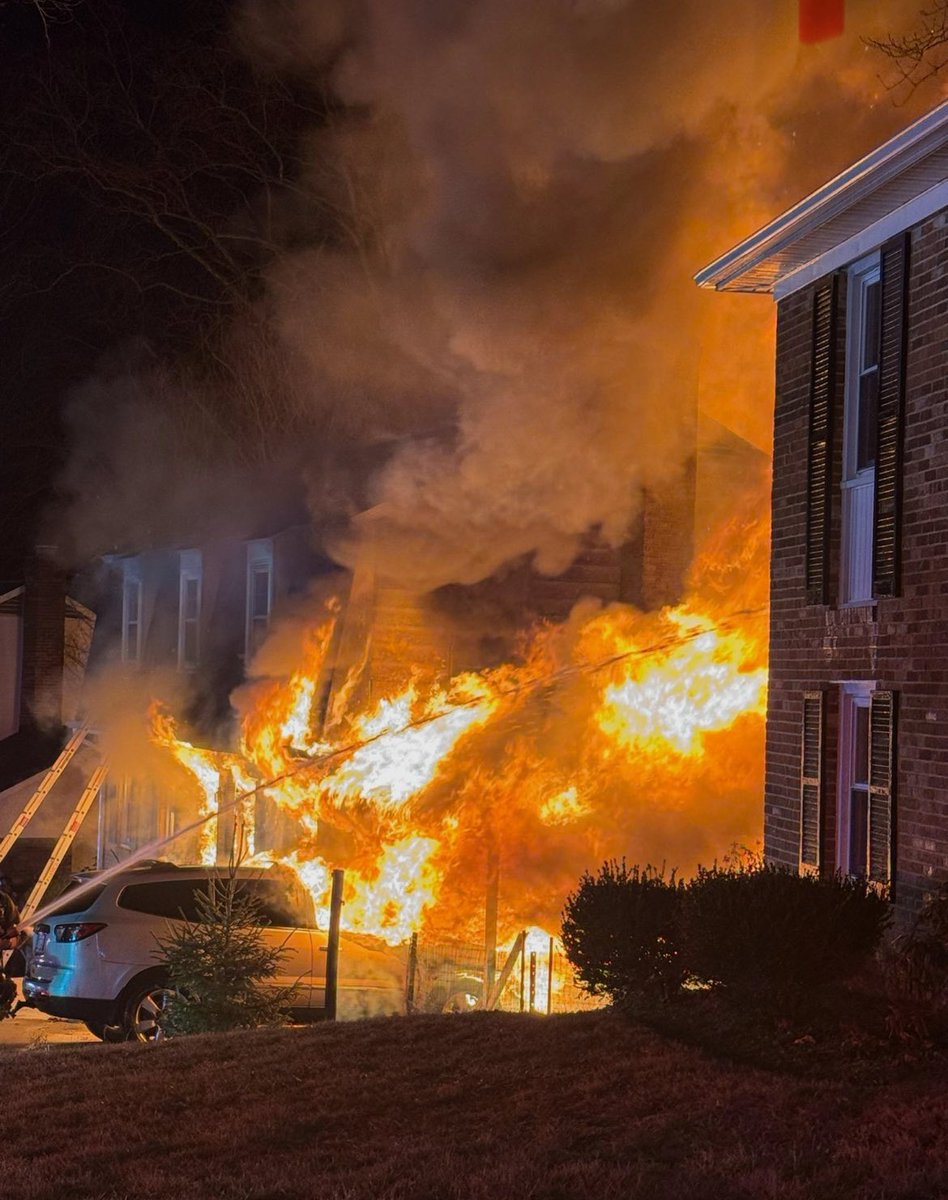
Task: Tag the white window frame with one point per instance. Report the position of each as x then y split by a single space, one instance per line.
190 570
853 696
858 486
132 610
259 557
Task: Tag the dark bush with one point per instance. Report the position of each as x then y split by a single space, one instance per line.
915 970
763 931
621 931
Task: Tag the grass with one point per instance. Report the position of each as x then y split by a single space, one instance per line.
590 1105
845 1033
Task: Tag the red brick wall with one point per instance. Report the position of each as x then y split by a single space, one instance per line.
901 642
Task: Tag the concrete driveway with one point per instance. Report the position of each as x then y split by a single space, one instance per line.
31 1030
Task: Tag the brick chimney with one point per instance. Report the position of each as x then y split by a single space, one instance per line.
44 640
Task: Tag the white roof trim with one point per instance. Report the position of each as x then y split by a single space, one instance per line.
870 238
731 271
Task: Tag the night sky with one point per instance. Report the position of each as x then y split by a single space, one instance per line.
113 183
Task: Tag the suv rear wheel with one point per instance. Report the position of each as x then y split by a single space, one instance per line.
144 1008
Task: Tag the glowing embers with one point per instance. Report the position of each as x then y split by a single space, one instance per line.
697 680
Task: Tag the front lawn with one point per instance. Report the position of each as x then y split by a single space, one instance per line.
590 1106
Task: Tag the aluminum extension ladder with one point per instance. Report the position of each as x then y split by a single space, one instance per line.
73 825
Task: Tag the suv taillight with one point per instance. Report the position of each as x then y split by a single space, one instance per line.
76 933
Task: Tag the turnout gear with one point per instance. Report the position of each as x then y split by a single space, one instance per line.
9 941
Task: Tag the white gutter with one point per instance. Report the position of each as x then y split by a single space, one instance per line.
871 238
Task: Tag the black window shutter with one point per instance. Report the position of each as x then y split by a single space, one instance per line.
820 446
811 779
882 744
888 484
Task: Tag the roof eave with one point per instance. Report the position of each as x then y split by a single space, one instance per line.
743 268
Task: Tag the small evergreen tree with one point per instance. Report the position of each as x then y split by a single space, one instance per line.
219 965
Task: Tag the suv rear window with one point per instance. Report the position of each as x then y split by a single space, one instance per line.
177 899
172 898
67 903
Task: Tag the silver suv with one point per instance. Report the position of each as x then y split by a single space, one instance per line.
95 958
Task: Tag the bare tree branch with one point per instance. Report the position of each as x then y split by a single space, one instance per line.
917 56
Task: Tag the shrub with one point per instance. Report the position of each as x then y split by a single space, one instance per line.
220 965
915 970
621 931
763 931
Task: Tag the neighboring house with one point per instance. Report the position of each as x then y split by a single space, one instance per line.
45 636
857 723
203 611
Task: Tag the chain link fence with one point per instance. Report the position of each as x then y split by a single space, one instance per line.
449 976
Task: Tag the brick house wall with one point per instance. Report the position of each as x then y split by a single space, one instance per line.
899 642
44 634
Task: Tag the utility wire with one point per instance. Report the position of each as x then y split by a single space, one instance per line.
551 678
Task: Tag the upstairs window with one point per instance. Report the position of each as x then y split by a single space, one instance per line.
259 593
131 611
867 484
189 610
860 430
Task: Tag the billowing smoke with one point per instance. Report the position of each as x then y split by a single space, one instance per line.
479 337
530 187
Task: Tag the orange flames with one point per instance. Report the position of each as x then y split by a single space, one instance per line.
696 683
631 732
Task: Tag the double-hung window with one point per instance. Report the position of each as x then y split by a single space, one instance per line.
852 810
259 593
865 809
131 611
868 519
189 609
860 430
863 820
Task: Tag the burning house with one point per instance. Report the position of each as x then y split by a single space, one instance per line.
497 738
857 757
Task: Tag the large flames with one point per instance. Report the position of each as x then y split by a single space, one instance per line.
617 733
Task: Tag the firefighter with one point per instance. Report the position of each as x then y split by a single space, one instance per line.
9 916
9 942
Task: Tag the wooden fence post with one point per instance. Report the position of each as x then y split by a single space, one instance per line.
332 948
412 970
